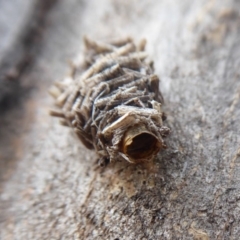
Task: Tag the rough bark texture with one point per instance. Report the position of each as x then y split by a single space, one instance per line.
51 187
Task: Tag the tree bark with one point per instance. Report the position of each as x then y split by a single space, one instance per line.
51 186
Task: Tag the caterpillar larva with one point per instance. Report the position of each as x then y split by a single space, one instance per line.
114 106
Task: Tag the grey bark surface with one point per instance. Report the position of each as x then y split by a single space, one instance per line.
51 186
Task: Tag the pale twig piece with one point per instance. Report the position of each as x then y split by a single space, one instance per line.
54 91
142 44
57 113
98 47
118 42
